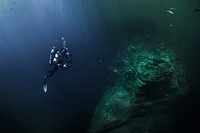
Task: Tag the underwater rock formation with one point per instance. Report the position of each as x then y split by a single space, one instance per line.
148 81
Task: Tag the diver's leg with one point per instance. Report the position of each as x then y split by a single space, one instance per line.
45 83
50 73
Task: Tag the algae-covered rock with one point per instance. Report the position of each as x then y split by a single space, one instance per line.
113 110
148 82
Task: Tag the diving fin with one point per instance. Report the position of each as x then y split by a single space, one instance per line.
45 87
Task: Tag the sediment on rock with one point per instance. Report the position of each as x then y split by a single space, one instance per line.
147 82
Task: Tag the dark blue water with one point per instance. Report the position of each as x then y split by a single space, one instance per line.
28 32
94 31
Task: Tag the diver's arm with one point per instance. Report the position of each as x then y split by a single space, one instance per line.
68 61
67 65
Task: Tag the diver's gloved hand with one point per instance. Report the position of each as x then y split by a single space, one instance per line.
45 87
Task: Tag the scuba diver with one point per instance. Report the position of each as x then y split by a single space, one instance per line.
59 59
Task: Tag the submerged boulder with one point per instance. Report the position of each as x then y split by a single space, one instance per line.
113 110
148 82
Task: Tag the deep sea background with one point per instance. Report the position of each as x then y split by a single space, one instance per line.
94 31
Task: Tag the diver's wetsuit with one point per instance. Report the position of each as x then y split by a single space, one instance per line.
58 59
